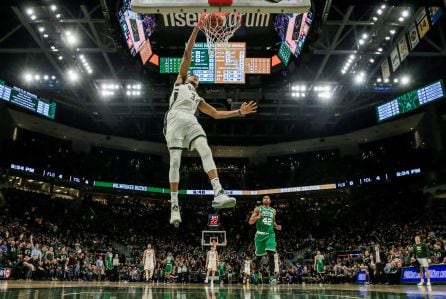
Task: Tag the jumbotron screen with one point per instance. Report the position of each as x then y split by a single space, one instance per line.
22 98
228 65
411 100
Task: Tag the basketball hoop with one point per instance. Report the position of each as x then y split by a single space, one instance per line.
219 28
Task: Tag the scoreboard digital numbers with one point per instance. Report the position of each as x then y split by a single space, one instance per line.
202 65
170 65
410 101
27 100
230 63
213 220
258 66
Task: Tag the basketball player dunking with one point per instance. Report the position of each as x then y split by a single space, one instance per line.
149 261
264 217
182 131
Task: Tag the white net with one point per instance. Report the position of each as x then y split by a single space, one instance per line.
219 28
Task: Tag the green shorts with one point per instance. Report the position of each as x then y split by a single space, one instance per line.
265 242
168 268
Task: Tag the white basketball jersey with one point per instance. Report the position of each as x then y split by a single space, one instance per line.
149 256
212 256
184 97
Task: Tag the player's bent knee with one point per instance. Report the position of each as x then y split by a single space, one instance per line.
202 147
175 162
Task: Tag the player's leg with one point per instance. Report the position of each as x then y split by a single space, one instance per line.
147 274
212 277
207 275
270 247
174 180
221 200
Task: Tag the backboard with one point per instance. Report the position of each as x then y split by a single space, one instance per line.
240 6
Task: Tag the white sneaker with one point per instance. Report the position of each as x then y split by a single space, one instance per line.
421 283
175 216
428 283
206 280
223 201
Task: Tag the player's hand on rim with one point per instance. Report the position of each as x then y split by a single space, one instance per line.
248 108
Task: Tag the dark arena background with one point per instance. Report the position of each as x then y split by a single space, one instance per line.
346 133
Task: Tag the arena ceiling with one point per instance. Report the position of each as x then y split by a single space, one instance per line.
335 36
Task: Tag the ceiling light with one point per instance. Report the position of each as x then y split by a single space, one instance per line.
29 11
53 7
380 49
128 93
41 29
45 77
343 71
129 86
393 31
58 15
36 77
379 11
60 57
375 19
387 37
45 35
372 60
361 42
360 77
71 39
395 80
386 80
53 77
379 80
405 80
405 13
383 6
352 56
73 76
28 77
33 17
365 36
401 19
303 88
82 56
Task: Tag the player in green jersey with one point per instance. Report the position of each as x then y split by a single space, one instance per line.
422 254
264 218
318 265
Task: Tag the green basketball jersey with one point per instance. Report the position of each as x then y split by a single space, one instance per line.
266 223
320 263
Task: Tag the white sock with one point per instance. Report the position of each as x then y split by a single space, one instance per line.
216 186
174 198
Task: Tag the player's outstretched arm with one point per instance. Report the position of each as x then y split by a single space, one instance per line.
246 108
187 56
255 216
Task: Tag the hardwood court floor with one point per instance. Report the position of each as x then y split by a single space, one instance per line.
111 290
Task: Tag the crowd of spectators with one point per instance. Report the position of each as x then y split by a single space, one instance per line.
48 238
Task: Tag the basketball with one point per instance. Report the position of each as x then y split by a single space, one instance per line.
215 22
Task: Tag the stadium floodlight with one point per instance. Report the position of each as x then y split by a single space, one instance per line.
29 11
383 6
37 77
352 56
395 80
393 31
401 19
71 39
371 60
45 35
380 49
41 29
45 77
379 80
28 77
58 16
53 77
128 92
53 7
60 57
361 41
375 19
405 80
405 13
33 17
73 76
387 37
379 11
365 36
360 77
386 80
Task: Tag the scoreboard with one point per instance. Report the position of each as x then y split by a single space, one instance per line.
410 101
258 66
27 100
228 65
